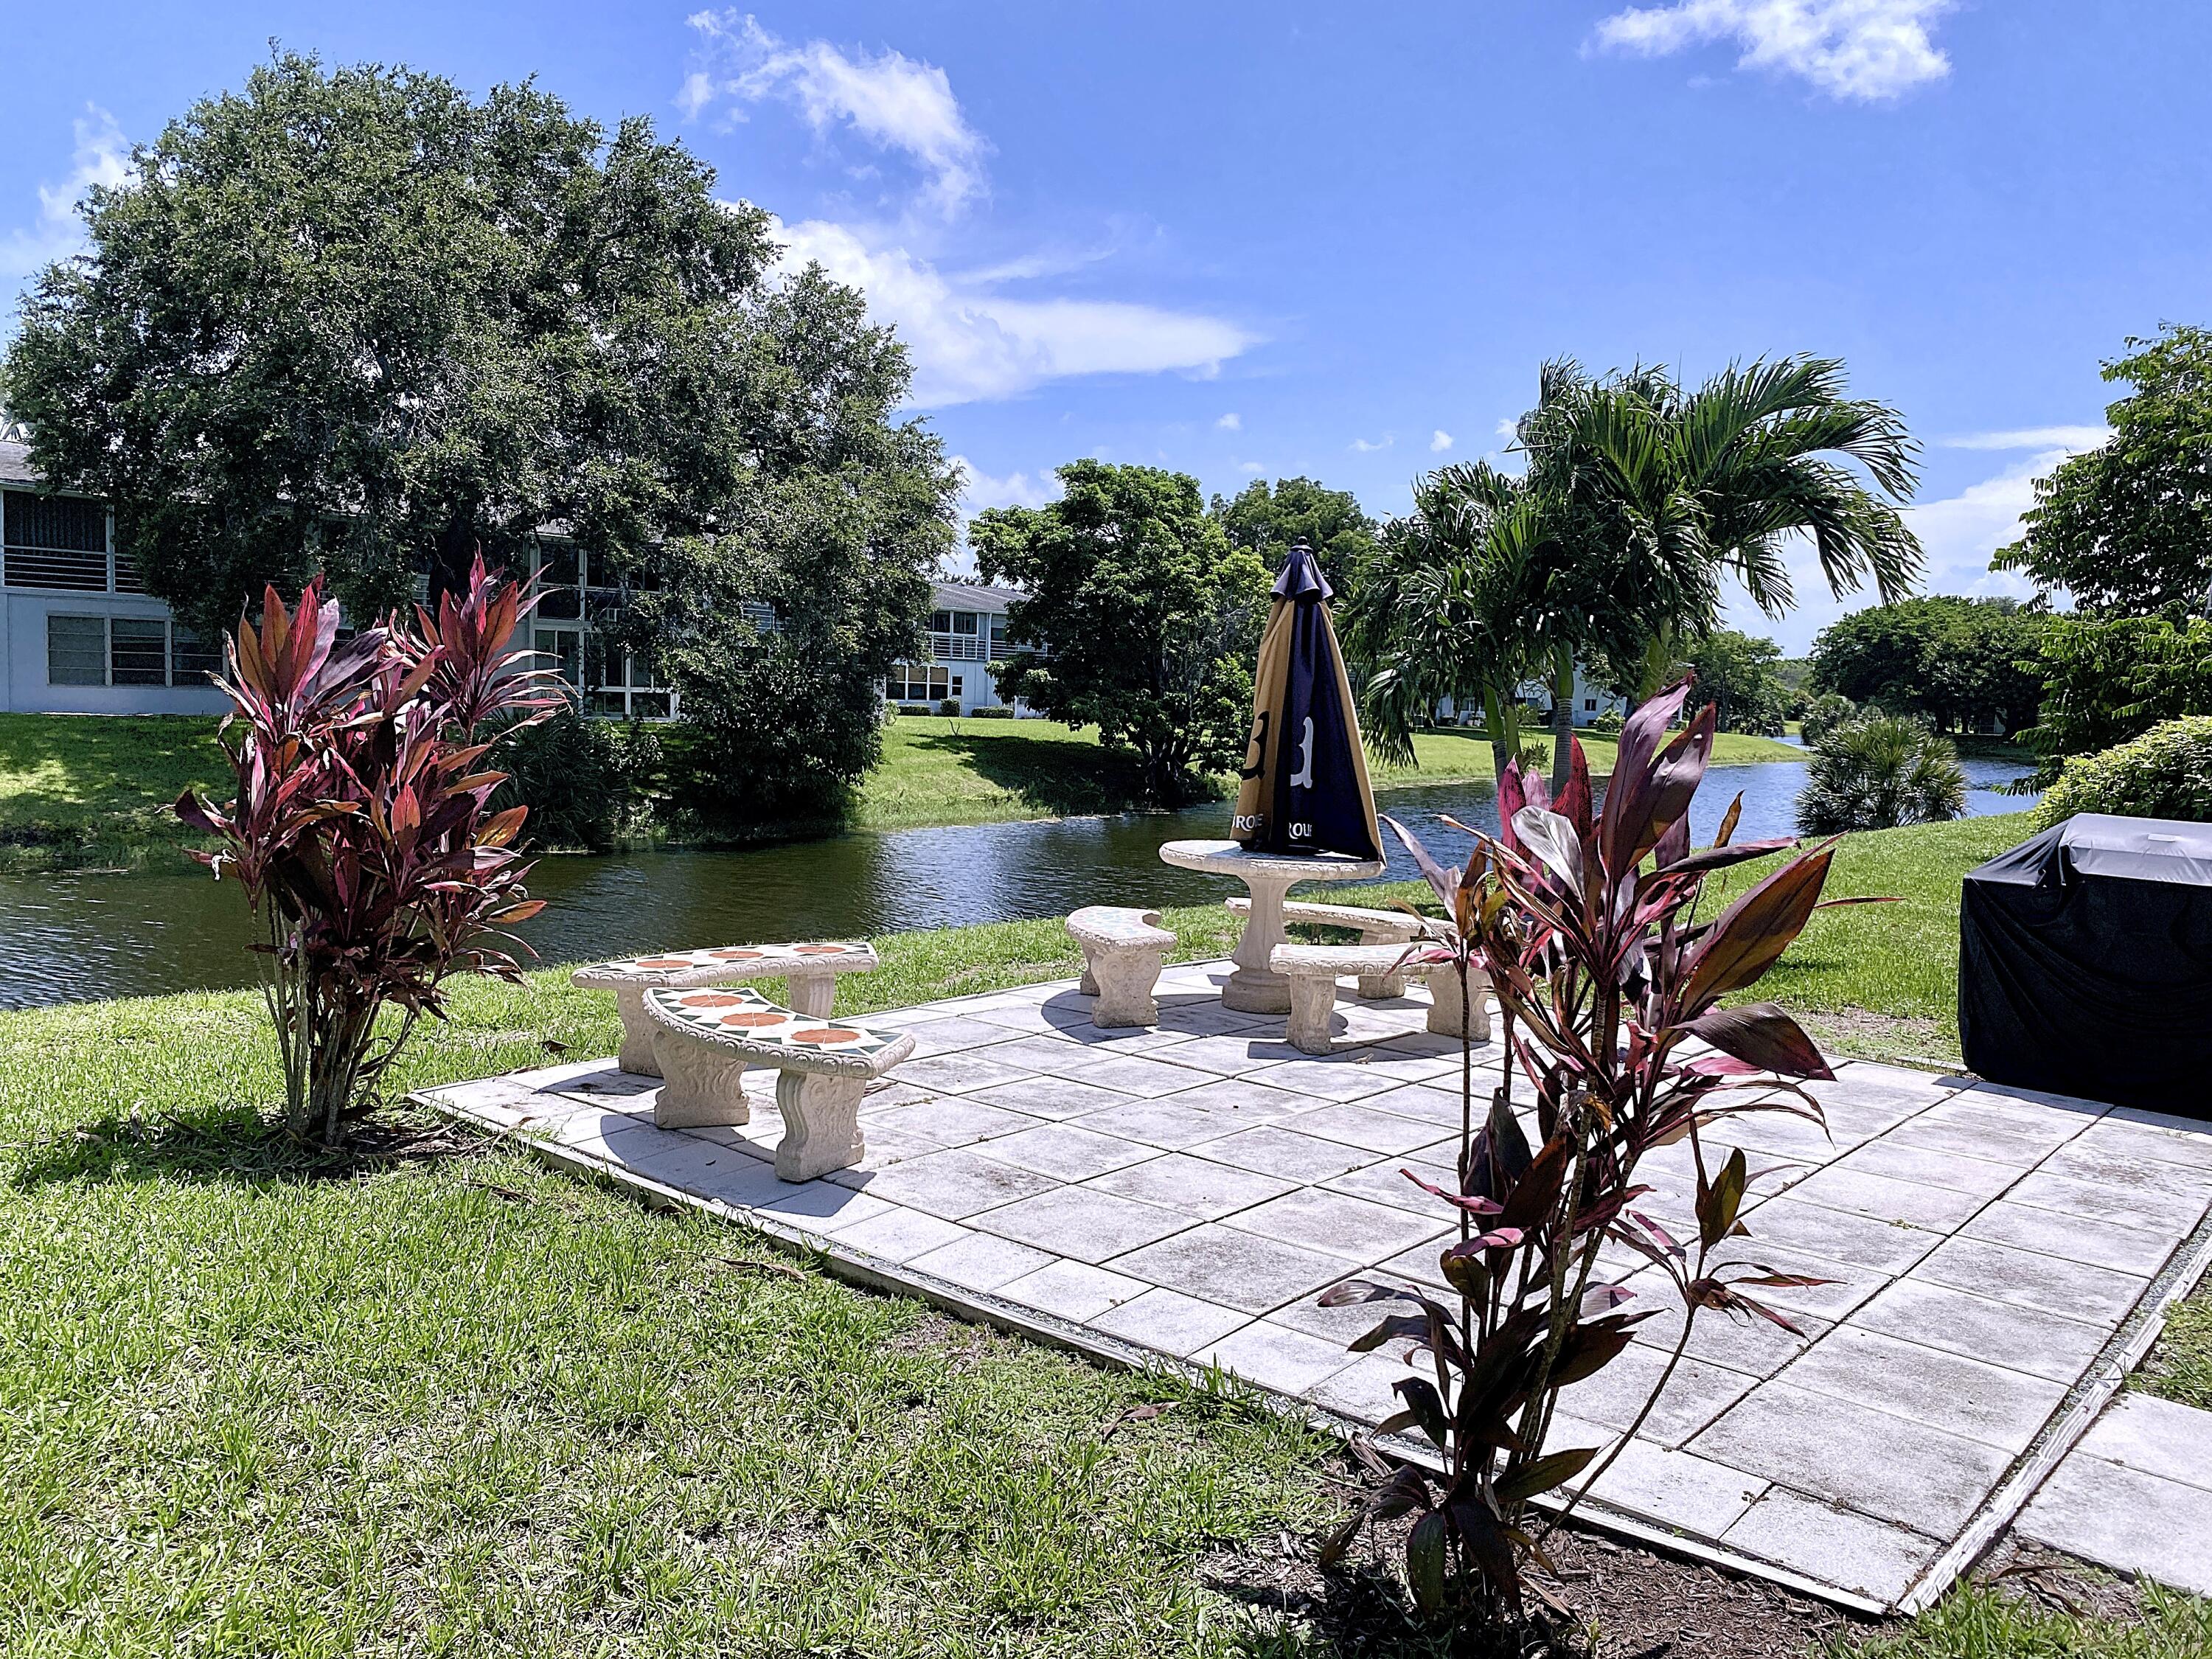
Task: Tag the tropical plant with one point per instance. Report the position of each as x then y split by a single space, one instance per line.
1823 715
1739 673
1960 664
2166 773
1137 616
362 830
1609 988
2126 528
2107 680
1878 772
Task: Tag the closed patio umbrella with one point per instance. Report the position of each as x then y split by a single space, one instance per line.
1304 788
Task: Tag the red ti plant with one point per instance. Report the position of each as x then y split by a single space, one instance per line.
1585 922
362 829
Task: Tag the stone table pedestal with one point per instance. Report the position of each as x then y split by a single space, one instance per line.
1255 987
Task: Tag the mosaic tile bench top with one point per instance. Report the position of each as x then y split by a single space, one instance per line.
727 964
742 1020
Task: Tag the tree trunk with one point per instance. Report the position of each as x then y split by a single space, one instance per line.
1563 717
1504 734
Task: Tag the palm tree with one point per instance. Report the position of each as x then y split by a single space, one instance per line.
1878 772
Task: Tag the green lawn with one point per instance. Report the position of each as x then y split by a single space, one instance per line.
86 790
452 1403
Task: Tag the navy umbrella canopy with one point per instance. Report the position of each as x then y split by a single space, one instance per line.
1303 785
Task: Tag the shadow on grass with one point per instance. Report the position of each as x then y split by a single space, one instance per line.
1064 779
244 1144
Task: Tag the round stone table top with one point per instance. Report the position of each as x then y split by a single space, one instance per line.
1229 857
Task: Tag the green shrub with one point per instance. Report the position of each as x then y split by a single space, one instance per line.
579 776
1823 715
992 711
2166 773
1607 725
914 709
1878 772
949 708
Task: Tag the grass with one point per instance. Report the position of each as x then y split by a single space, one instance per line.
2180 1367
81 790
445 1401
1986 1621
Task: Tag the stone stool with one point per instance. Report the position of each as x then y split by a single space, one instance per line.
1373 926
1122 951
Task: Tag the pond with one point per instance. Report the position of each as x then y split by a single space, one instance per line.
75 938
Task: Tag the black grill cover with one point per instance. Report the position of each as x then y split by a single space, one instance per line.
2085 963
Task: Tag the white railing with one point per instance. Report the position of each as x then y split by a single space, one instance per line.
957 648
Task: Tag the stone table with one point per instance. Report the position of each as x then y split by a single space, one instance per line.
1255 987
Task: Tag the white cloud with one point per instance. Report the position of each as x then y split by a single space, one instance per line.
2071 438
1361 446
1230 422
969 342
1848 48
889 100
1254 467
979 489
101 156
1507 429
1439 442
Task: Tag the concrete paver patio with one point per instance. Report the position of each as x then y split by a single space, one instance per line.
1184 1194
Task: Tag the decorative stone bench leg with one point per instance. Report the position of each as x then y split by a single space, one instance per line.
701 1087
638 1053
821 1124
1088 987
1125 980
1444 1005
1380 988
1313 1007
811 994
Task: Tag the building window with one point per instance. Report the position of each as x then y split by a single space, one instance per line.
56 541
561 650
190 661
138 651
1589 704
76 650
922 683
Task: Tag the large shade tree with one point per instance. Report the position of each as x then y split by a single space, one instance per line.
1959 663
1272 518
2126 528
1139 619
353 321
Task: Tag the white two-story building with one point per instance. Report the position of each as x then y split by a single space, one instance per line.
967 641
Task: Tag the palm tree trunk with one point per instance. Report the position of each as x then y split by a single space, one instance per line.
1563 716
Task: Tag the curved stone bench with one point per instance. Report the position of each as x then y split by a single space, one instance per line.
1373 926
1314 969
1122 951
704 1039
812 969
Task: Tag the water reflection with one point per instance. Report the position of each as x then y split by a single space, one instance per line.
73 938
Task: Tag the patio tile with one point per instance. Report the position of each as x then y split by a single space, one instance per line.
981 1262
1176 1181
2092 1200
1696 1393
2152 1435
1426 1104
1840 1235
2128 1176
1285 1152
1171 1321
2018 1338
1135 1074
1055 1098
1749 1345
1230 1056
2005 1274
958 1034
1678 1487
961 1072
2124 1249
1384 1183
820 1207
953 1184
1203 1016
1833 1546
1233 1268
1866 1082
1374 1131
1884 1465
1275 1357
1347 1324
1992 1143
1340 1076
1074 1221
1986 1402
1847 1283
1237 1101
2125 1519
1072 1289
1921 1167
1068 1151
1339 1225
898 1234
1363 1390
2154 1135
1168 1124
1781 1133
1840 1187
1419 1266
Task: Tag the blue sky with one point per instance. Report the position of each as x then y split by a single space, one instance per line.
1260 239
